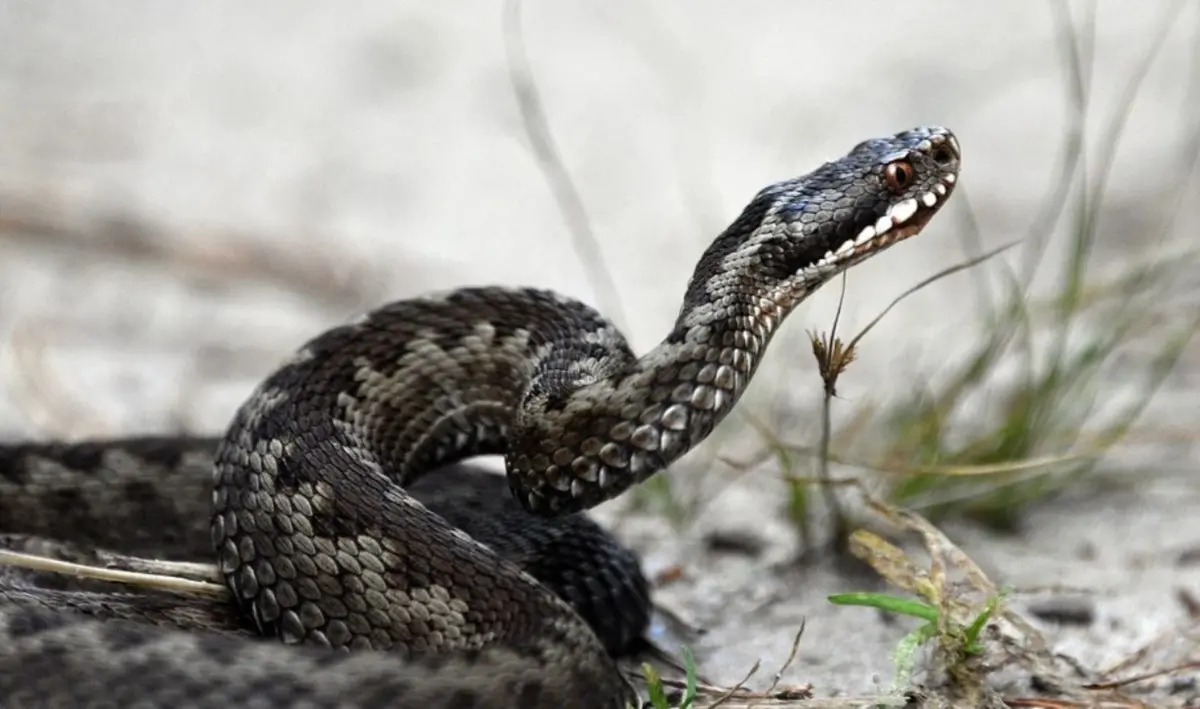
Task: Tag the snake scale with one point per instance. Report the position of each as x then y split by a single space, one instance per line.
479 591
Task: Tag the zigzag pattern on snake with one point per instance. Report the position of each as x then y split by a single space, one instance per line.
465 595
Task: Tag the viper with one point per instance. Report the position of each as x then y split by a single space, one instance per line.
338 528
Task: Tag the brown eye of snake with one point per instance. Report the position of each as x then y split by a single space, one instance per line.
898 175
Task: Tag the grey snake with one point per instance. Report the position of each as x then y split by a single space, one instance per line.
482 593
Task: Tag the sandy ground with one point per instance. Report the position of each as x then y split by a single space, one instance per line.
226 179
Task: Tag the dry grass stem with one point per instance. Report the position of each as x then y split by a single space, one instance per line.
969 263
570 204
159 582
739 687
791 658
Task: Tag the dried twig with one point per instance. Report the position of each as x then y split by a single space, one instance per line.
741 685
160 582
790 658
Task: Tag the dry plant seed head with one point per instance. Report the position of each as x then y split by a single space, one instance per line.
833 357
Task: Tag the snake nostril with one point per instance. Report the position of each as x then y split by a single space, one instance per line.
943 156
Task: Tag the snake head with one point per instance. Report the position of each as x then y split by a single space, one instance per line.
883 191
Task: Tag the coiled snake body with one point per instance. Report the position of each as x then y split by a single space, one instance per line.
322 544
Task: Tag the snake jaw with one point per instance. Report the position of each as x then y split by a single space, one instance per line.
904 218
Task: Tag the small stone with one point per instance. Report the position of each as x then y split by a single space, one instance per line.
735 541
1065 610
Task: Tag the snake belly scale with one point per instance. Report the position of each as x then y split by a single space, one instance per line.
324 543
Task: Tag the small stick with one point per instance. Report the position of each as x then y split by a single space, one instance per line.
735 688
790 658
133 578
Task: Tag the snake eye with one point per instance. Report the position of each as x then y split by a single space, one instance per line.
898 175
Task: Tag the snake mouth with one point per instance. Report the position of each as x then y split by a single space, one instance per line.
903 220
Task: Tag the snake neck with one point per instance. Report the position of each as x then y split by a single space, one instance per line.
579 441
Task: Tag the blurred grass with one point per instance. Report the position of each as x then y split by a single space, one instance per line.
1052 382
1033 402
1067 349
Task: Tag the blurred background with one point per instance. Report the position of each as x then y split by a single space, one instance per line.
188 191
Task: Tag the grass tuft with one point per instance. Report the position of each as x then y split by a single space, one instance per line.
657 690
965 637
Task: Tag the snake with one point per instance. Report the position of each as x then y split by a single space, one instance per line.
492 591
